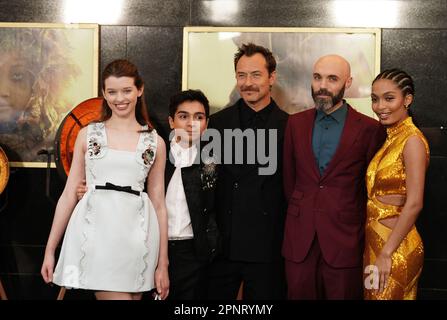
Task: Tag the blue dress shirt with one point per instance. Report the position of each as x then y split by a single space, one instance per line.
326 135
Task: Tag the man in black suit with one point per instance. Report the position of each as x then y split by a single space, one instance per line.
190 182
250 204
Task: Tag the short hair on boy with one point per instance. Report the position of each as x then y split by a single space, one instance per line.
188 95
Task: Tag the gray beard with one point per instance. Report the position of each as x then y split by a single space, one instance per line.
326 104
323 104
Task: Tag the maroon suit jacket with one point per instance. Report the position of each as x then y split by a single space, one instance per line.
332 205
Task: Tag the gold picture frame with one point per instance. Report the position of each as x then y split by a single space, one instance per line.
46 70
208 54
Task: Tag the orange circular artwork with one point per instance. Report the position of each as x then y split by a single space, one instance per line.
4 170
78 118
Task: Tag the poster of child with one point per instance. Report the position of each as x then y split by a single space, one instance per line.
44 73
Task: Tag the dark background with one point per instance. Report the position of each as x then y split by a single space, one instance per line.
149 33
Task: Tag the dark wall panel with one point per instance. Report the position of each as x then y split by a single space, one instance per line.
432 222
423 54
24 227
316 13
27 217
156 13
158 54
31 11
302 13
433 283
134 12
268 13
113 44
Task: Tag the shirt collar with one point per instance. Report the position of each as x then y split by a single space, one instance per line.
183 157
338 115
263 113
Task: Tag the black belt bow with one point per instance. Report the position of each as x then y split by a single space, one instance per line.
111 186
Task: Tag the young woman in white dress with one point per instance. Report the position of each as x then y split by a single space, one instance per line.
115 239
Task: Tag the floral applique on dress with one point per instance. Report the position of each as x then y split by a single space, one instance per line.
94 147
96 140
148 156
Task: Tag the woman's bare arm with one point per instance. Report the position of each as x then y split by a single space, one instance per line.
156 191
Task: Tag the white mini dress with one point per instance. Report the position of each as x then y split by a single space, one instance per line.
112 239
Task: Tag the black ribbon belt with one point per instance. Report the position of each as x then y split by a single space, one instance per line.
111 186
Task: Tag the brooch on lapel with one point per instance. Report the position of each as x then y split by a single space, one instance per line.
208 174
148 156
94 148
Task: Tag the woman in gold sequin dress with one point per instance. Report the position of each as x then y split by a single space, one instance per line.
394 252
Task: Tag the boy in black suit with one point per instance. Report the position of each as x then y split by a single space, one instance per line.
190 185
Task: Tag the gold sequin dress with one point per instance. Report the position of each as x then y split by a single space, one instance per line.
386 176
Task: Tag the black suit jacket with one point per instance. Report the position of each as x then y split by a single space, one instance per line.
200 203
250 208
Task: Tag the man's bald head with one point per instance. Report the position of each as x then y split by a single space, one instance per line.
336 63
331 76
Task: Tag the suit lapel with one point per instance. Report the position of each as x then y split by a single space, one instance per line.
193 190
308 127
347 138
273 119
233 122
169 170
273 123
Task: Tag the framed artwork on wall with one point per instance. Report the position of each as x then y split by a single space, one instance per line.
208 65
45 70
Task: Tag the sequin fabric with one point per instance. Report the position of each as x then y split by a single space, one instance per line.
386 176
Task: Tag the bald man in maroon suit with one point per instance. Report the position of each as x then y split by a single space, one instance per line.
326 153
